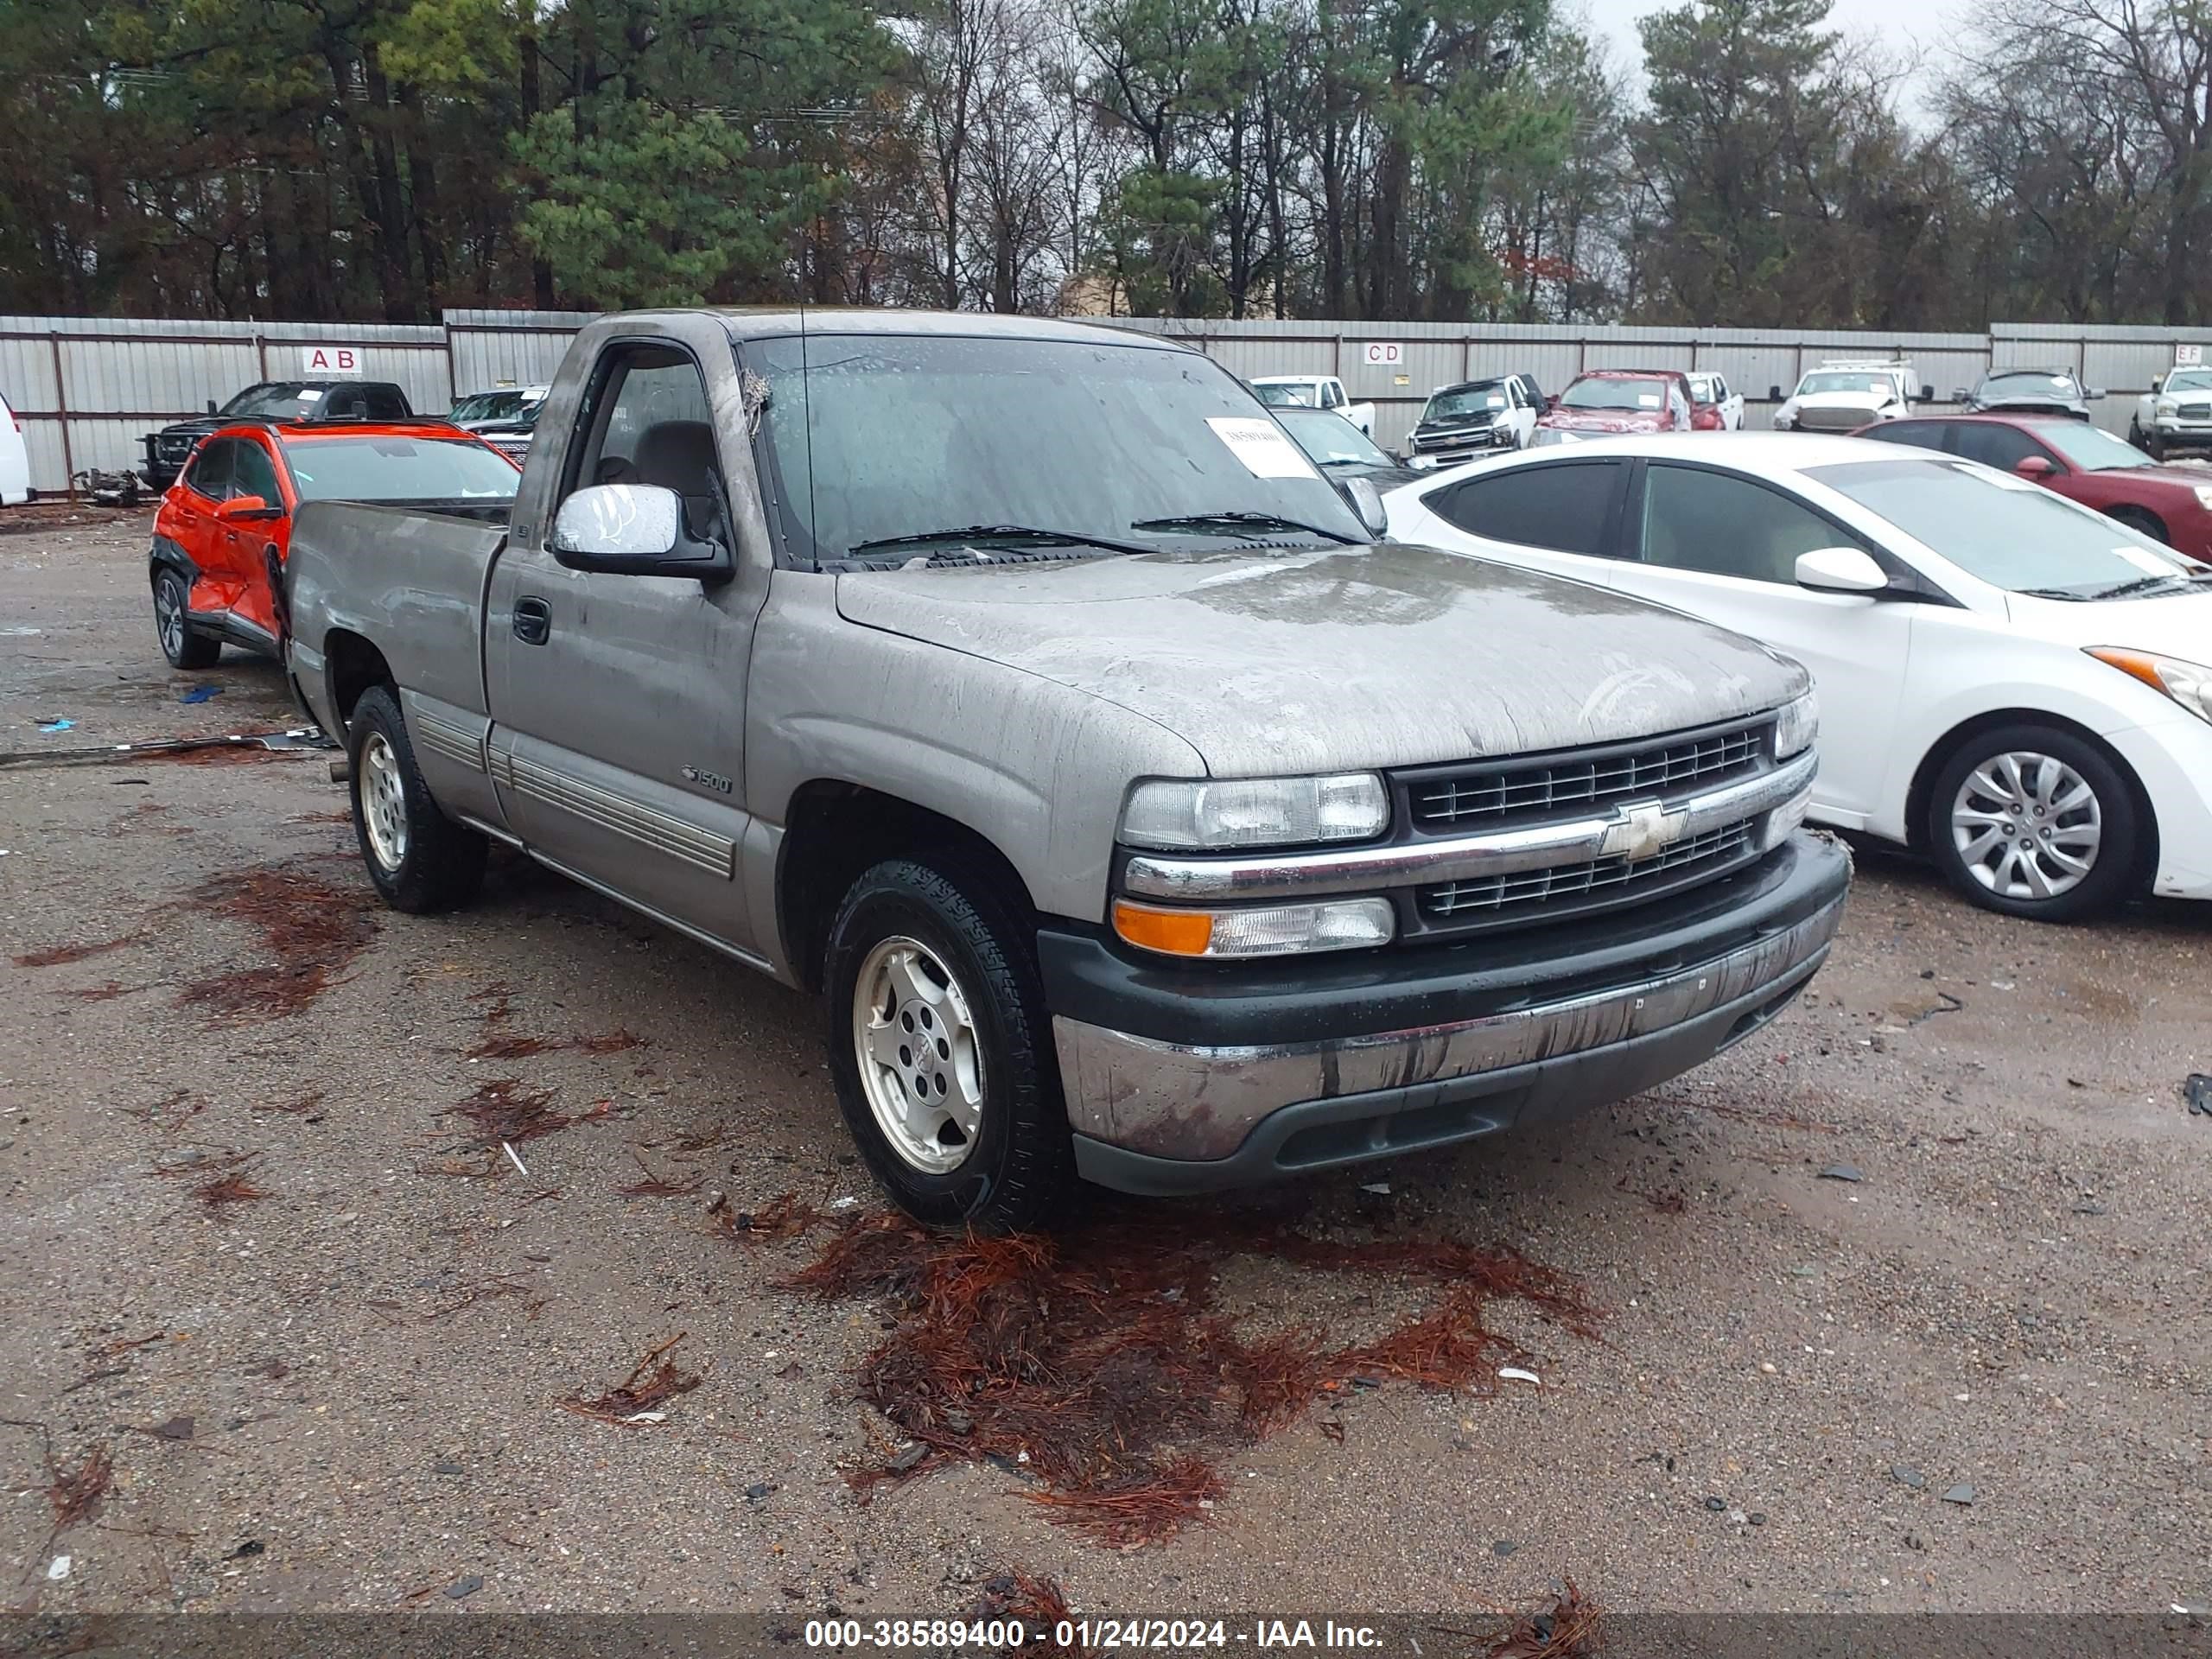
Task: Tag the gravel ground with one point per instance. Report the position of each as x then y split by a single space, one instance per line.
341 1395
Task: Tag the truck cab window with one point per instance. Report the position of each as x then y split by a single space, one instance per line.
645 421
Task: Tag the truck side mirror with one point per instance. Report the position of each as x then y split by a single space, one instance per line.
1927 394
1774 394
211 405
633 530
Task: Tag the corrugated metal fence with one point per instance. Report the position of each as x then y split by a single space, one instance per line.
86 389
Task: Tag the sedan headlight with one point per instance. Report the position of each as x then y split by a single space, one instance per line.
1796 726
2188 684
1274 930
1211 814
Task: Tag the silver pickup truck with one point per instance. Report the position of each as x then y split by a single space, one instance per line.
1019 687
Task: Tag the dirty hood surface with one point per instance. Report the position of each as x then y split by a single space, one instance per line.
1605 420
1308 660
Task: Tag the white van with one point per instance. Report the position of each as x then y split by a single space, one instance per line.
14 460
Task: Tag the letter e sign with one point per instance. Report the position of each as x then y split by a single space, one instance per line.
323 361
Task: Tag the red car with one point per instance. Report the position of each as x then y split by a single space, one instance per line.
1606 401
226 523
2169 501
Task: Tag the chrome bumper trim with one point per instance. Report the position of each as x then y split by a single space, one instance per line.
1199 1104
1401 864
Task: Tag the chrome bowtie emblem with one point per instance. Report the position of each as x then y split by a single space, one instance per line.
1640 828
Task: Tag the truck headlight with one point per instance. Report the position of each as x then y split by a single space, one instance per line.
1277 931
2186 683
2166 406
1796 726
1210 814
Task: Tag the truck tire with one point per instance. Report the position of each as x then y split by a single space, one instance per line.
941 1053
421 861
183 644
2031 820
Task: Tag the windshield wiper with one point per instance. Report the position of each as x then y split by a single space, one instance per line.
2071 595
2145 584
1246 521
998 533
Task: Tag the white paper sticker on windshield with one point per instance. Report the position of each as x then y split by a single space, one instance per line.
1647 400
1262 447
2144 559
309 394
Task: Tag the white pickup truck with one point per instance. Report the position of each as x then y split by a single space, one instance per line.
1314 391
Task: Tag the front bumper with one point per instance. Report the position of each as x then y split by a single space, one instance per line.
1450 451
1182 1082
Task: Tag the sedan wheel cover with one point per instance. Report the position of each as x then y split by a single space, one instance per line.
383 801
921 1060
2027 826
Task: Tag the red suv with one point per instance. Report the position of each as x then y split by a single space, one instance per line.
226 523
2171 502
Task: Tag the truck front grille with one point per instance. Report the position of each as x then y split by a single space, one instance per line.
1833 420
1484 796
2194 412
1568 887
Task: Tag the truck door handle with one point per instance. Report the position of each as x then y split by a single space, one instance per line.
533 622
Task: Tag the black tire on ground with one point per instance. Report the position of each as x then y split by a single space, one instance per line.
2135 432
421 861
183 644
2143 519
1017 1171
2115 868
2153 445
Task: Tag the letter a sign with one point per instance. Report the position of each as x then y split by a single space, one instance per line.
324 361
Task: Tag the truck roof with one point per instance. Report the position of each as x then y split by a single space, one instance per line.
765 321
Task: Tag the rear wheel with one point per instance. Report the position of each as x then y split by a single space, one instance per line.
421 861
940 1049
2031 820
183 644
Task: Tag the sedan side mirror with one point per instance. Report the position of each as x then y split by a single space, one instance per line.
240 507
633 530
2034 466
1367 502
1840 570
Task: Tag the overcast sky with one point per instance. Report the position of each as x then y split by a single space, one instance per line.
1908 27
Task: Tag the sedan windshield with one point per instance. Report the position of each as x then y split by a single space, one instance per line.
1461 402
399 469
1328 440
2009 533
876 436
2089 448
1615 391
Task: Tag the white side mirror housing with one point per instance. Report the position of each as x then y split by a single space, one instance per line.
1840 570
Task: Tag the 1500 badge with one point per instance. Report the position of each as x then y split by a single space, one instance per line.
713 780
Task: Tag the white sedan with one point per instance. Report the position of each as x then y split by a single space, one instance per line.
2009 682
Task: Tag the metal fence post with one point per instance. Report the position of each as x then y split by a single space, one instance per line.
61 405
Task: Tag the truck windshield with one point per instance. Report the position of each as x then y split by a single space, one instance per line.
1461 402
883 435
1615 391
1277 394
399 469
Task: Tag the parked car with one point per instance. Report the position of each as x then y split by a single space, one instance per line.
512 437
2172 504
1314 391
14 459
2175 414
168 450
1342 451
2030 391
1846 393
1022 688
224 525
1475 418
1606 401
2009 682
1715 406
498 407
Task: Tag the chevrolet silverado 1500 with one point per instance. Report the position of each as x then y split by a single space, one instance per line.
1022 688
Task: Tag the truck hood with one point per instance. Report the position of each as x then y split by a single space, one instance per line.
1295 660
1605 420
